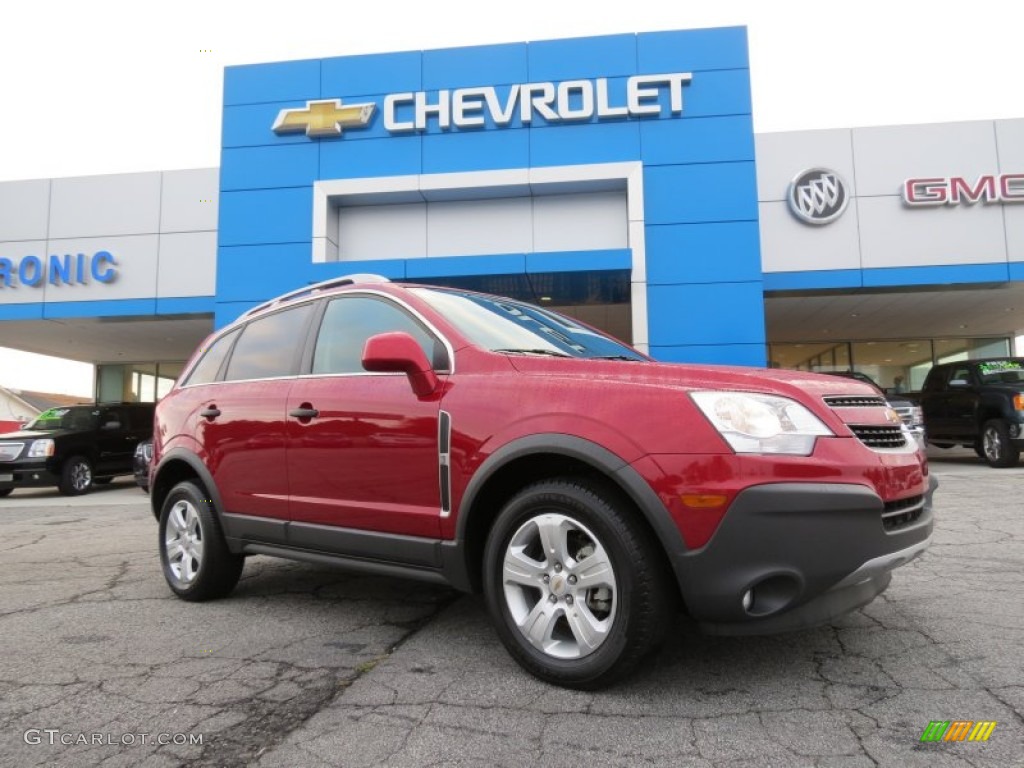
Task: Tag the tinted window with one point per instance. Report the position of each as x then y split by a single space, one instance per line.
268 346
348 322
82 418
206 369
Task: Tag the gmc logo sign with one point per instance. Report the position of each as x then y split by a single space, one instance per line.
954 190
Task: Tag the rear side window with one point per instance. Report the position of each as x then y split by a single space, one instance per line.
268 346
348 322
207 367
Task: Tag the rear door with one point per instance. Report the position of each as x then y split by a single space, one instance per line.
241 420
369 458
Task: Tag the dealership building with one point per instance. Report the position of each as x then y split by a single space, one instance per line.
616 179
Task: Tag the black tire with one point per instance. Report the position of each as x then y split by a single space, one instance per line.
102 480
979 450
76 476
6 492
212 573
635 609
996 447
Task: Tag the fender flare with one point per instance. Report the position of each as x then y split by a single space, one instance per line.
614 467
197 465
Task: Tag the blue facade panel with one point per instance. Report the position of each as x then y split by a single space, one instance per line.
394 156
476 65
707 313
693 50
268 167
700 200
585 143
685 194
279 81
703 253
371 73
606 56
265 216
481 150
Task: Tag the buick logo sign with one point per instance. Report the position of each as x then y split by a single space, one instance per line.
817 196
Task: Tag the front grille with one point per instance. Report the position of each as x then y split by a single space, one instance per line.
879 437
901 513
856 401
10 451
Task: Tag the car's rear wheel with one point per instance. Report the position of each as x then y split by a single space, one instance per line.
996 445
6 492
76 476
575 583
196 561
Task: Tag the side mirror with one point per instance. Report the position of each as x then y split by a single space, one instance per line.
113 424
398 352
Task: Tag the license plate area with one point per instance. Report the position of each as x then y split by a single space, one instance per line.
8 478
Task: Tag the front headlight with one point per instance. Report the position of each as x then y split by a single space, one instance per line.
41 449
755 423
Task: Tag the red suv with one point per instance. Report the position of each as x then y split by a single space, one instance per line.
586 490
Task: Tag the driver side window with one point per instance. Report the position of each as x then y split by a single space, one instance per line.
350 320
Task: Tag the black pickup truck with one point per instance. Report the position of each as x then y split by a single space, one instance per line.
978 404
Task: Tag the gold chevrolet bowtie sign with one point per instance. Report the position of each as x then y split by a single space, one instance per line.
323 118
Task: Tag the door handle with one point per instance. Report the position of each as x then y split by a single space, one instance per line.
304 411
210 412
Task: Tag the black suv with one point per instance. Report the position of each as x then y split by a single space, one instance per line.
74 447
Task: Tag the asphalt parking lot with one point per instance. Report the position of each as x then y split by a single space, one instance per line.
311 666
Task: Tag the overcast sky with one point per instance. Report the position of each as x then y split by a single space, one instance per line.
110 86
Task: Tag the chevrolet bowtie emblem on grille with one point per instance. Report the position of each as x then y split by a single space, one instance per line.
324 118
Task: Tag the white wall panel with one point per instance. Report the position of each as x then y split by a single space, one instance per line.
781 156
885 157
895 236
470 227
592 221
136 257
382 232
17 293
24 209
188 200
187 264
96 206
789 245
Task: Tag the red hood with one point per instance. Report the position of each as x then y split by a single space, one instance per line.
695 377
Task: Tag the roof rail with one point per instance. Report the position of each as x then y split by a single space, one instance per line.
309 290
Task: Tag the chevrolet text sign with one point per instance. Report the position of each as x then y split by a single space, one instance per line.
567 101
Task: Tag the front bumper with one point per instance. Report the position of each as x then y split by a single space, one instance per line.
792 555
27 474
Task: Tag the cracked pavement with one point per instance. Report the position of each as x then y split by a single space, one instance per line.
310 666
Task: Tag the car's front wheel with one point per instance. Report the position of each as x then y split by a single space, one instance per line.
76 476
996 445
196 561
575 583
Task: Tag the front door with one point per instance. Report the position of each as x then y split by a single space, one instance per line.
362 447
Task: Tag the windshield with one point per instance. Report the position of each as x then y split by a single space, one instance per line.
1002 371
503 325
83 417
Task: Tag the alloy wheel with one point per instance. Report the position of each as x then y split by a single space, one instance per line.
184 542
559 586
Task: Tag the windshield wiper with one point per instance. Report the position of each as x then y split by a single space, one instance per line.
549 352
617 357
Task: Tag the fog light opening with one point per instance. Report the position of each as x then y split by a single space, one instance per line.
748 600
